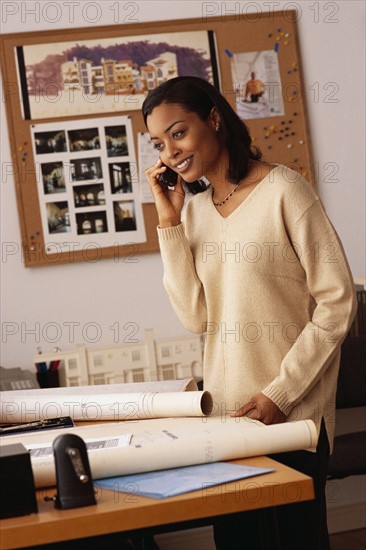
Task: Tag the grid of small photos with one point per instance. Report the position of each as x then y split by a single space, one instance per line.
87 182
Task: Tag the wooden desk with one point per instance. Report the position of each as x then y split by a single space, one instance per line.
116 512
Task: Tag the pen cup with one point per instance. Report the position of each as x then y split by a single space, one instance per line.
48 379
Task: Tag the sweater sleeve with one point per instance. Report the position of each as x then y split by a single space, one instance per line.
183 286
331 286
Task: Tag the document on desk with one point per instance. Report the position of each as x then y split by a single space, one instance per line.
160 444
175 481
106 403
43 450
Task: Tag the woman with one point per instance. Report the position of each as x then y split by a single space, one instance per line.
254 263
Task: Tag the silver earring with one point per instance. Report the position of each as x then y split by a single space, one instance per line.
217 127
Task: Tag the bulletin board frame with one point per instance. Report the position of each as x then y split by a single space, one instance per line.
240 40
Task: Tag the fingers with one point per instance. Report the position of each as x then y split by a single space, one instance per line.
261 408
245 410
154 172
169 201
157 188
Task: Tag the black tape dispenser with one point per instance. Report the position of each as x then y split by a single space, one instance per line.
73 476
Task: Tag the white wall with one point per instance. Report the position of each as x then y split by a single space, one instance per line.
129 296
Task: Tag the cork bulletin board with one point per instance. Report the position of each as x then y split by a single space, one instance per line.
73 100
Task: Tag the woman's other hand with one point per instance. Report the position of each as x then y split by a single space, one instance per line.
261 408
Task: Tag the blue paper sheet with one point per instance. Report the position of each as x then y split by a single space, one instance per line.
167 483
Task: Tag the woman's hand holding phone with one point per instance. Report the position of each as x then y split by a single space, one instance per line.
168 178
168 196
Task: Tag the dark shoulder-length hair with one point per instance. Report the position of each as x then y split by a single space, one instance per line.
199 96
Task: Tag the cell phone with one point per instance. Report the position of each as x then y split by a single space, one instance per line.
168 178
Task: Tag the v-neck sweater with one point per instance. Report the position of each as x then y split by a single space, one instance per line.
270 289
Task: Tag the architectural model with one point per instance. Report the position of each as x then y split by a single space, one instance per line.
162 359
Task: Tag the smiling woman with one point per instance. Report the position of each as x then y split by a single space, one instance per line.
201 122
184 140
303 304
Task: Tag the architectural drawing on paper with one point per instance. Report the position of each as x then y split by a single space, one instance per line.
111 76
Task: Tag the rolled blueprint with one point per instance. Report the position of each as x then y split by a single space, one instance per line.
169 443
91 406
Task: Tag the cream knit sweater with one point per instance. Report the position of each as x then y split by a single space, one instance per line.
271 289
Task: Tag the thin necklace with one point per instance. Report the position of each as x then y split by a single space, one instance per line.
226 198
